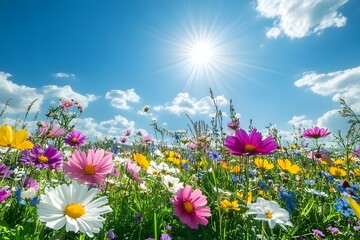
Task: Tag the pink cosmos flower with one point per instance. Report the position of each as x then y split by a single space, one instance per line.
90 168
253 144
127 132
133 169
190 207
123 139
66 104
50 130
146 138
75 139
316 132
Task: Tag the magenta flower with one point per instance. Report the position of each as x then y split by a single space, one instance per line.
190 207
253 144
75 139
4 194
133 169
123 139
5 171
127 132
146 138
42 157
50 130
316 132
65 104
91 168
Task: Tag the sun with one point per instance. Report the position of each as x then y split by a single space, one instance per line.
201 53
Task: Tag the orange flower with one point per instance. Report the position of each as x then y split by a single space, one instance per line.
236 169
287 166
14 139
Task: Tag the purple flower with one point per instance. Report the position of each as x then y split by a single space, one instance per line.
5 171
42 157
75 139
165 236
4 194
111 235
137 217
318 233
123 139
333 230
316 132
252 144
52 130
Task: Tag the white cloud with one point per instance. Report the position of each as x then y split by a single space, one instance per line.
341 84
66 93
297 19
64 75
21 96
300 121
119 99
183 103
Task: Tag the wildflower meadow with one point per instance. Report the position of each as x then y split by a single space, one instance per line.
213 180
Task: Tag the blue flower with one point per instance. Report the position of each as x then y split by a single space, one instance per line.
214 155
343 206
28 196
288 197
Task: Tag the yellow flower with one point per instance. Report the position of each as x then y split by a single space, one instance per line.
227 205
241 195
287 166
223 165
337 172
354 206
14 139
236 169
357 172
141 160
339 162
263 164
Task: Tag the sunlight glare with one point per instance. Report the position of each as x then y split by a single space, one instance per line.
201 53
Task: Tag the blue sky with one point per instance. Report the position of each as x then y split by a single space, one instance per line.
284 62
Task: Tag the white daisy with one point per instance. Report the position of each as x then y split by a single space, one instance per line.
269 211
74 206
172 183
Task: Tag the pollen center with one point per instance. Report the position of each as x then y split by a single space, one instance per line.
89 169
249 148
268 215
74 210
42 159
74 140
188 206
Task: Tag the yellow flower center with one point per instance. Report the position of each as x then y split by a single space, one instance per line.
74 210
249 148
42 159
89 169
188 206
74 140
268 215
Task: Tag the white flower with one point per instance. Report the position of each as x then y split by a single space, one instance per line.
73 206
316 192
28 194
269 211
172 183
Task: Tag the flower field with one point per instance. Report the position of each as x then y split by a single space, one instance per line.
212 181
